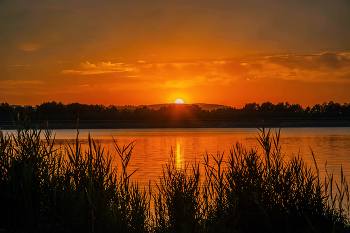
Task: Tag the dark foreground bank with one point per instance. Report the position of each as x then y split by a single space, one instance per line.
44 190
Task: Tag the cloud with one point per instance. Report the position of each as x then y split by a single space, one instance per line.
322 67
87 65
86 71
83 86
99 68
327 66
322 61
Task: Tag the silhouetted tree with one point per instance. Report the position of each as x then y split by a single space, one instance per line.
73 111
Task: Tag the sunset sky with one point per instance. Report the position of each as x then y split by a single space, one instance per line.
138 52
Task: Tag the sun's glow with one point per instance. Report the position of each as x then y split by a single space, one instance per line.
179 101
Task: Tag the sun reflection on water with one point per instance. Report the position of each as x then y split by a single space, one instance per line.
179 154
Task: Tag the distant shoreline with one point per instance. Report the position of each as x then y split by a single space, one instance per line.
139 124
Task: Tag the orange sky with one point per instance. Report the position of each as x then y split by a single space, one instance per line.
147 52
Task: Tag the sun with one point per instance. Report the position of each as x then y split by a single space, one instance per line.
179 101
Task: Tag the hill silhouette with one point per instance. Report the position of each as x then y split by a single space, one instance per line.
203 106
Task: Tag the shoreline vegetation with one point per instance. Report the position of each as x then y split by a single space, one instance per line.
46 190
279 115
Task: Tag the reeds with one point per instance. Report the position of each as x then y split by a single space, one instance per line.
43 189
251 192
177 199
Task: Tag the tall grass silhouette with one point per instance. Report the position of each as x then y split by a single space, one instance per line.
44 189
266 192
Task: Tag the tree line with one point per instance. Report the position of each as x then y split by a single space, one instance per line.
74 111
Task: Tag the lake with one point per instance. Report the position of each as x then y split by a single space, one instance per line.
153 147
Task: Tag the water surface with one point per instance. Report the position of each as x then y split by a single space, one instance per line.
153 147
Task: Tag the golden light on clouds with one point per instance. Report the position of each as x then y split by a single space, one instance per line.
183 79
227 52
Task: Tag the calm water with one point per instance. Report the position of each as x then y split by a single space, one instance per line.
154 146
